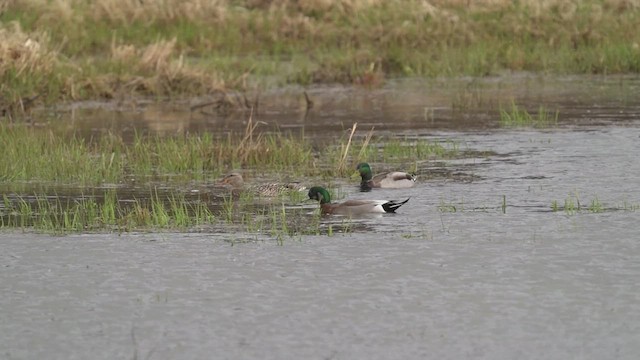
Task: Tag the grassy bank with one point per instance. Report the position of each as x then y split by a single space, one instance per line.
71 49
52 156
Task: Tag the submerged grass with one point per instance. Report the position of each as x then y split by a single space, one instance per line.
102 212
69 49
107 211
572 205
518 117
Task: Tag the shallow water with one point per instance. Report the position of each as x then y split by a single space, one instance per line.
401 107
477 264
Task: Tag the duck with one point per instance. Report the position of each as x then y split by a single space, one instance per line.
236 182
352 207
388 180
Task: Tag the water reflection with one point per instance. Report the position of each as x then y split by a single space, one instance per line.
400 107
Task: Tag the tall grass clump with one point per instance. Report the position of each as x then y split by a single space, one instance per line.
518 117
572 205
29 69
400 149
276 151
351 149
32 154
36 154
46 155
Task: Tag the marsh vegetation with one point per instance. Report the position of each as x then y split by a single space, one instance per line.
185 168
120 52
117 49
50 155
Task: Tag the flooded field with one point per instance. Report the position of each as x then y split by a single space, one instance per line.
402 107
526 247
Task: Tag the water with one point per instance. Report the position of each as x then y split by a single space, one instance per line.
477 264
402 107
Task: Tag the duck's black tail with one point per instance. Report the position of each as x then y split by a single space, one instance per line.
392 205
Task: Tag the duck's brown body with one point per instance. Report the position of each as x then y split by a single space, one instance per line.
236 182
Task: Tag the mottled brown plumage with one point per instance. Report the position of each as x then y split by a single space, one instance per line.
236 182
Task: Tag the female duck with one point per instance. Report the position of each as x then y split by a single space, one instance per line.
236 182
389 180
352 207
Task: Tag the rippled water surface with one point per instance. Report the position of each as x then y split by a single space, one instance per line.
529 251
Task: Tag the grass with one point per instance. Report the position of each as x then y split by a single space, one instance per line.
39 160
50 155
572 205
450 207
46 155
70 50
518 117
403 152
102 212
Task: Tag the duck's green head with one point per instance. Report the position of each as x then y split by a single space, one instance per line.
319 193
365 171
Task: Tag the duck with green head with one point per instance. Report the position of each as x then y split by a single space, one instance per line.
388 180
352 207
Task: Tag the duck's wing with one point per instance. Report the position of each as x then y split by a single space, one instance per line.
357 207
273 189
395 179
276 189
392 205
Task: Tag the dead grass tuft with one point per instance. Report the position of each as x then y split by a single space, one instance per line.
157 57
127 11
23 57
165 70
22 53
123 54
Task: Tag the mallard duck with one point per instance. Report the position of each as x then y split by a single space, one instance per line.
352 207
236 182
389 180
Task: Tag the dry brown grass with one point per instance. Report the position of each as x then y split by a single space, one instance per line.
24 53
22 57
157 57
196 47
542 4
434 7
122 11
165 69
126 11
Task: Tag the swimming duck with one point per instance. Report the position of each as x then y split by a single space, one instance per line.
352 207
389 180
236 182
